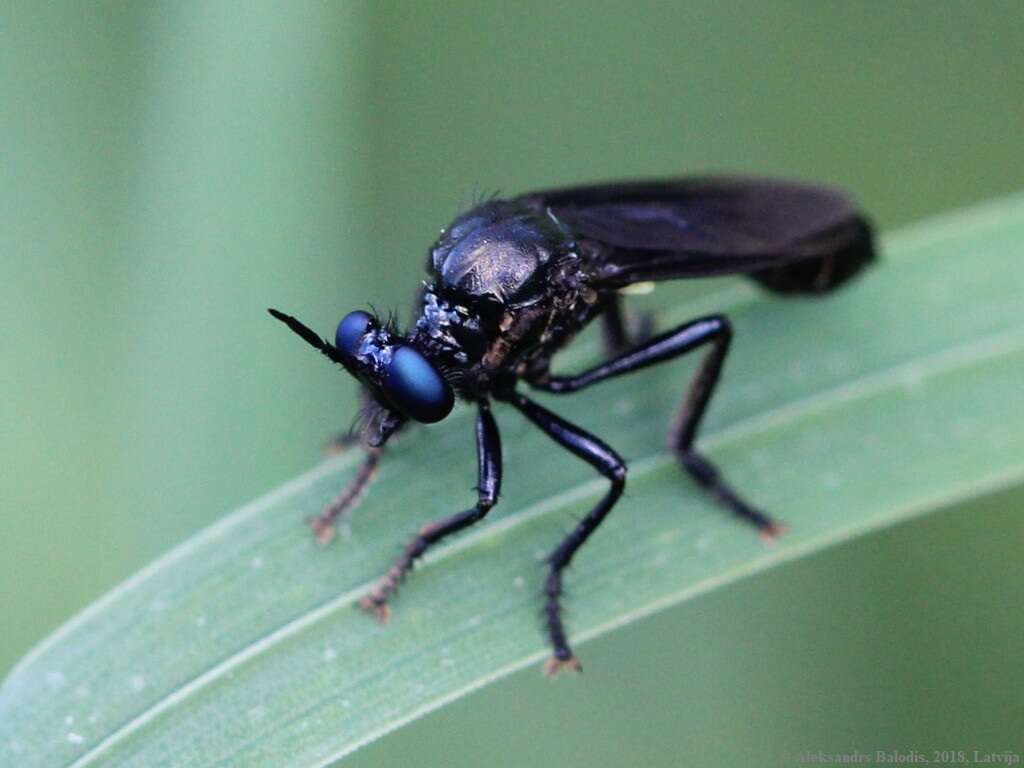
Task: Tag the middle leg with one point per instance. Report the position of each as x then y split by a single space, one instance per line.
606 461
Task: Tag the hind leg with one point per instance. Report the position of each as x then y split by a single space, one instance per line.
716 331
621 331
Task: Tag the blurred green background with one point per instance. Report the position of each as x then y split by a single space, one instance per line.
169 170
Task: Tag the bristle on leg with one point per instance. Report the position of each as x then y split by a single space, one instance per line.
324 524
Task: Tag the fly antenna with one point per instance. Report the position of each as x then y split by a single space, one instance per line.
309 336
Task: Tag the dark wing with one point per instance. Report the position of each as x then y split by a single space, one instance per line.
790 236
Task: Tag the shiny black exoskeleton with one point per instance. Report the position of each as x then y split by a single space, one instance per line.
512 281
509 286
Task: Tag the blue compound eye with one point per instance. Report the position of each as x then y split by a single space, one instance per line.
351 330
416 388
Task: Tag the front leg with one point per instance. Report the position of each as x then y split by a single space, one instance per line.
488 449
324 525
353 436
341 506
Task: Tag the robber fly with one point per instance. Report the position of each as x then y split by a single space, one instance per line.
511 282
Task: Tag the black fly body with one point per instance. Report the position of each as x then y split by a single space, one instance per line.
511 282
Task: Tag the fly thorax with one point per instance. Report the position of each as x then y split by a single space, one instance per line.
455 331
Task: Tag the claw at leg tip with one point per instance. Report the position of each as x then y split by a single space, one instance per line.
771 533
554 665
323 530
381 609
334 447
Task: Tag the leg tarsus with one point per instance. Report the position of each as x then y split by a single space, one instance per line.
708 477
554 665
381 610
377 600
341 442
324 524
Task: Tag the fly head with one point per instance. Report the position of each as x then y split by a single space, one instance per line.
403 382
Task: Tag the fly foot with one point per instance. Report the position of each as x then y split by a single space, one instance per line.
554 665
323 529
377 606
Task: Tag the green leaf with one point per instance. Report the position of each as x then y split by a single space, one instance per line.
895 397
